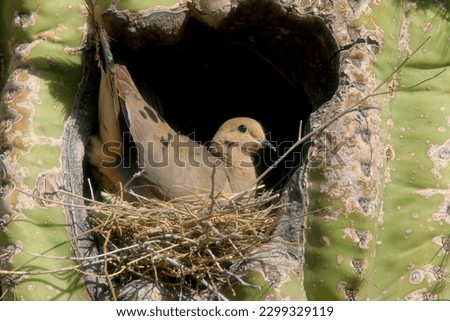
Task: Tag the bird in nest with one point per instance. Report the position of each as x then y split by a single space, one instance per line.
169 164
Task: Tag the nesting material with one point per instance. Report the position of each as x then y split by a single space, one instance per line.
186 241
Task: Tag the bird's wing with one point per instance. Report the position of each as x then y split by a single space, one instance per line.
106 149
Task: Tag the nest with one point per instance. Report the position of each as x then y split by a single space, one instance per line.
187 241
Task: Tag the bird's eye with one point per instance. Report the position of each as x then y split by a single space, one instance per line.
242 129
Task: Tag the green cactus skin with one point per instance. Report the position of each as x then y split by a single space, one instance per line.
43 79
416 198
383 234
136 5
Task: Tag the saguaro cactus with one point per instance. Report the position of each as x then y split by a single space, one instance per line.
41 46
378 221
368 211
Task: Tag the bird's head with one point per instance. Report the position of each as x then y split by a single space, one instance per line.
245 134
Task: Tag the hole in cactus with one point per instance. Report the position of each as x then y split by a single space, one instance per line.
261 62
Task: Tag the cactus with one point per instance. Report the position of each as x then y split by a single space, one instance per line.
378 221
40 48
367 215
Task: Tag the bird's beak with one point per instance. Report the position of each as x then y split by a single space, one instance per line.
266 144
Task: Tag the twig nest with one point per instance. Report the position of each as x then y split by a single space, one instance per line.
186 241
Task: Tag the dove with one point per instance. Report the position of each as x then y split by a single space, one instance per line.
169 164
